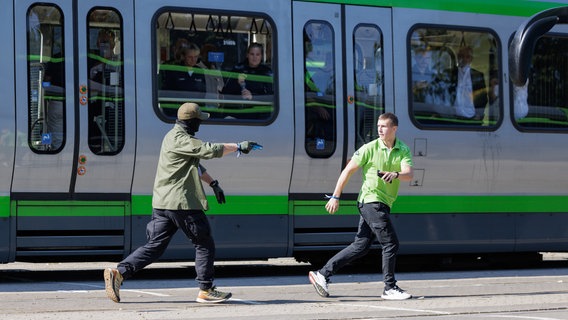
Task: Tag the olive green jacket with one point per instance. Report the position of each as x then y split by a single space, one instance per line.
177 185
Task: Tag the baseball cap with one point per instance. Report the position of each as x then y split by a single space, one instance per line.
190 110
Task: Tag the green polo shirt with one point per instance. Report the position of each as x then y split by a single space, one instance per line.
375 156
177 185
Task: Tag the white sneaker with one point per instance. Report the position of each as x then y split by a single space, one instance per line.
395 293
319 282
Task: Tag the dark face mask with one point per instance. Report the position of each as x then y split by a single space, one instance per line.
191 126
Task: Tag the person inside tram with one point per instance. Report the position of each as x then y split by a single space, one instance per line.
466 87
521 104
172 59
320 100
252 78
105 91
422 74
189 77
493 95
213 77
54 87
178 46
103 72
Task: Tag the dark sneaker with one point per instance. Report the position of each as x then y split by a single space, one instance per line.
113 280
212 296
319 282
395 293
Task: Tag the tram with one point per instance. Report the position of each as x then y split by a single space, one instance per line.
89 88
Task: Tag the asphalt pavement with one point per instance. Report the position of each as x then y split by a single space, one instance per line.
279 289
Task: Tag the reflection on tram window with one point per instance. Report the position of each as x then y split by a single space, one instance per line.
449 78
319 92
46 76
369 89
106 86
547 110
222 62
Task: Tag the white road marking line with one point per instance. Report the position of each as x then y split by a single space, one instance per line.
146 292
102 287
83 285
517 317
246 301
391 308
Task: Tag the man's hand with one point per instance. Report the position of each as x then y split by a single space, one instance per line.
219 194
332 205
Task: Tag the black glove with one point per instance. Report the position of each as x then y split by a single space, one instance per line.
246 146
219 194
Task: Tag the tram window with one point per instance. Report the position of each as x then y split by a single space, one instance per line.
222 62
369 89
542 104
319 90
46 79
106 85
454 75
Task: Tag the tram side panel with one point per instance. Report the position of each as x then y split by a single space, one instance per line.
8 134
253 223
476 184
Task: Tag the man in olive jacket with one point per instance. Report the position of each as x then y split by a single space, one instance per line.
179 202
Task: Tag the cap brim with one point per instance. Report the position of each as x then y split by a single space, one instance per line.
204 115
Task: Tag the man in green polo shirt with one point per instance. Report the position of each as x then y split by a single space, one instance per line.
179 202
384 162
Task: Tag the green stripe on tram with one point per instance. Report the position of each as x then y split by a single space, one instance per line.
274 205
67 208
502 7
476 204
4 206
442 204
235 205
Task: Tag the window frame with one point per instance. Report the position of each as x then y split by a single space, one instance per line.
326 152
497 58
512 97
215 12
31 124
380 84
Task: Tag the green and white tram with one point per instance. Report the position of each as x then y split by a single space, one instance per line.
85 99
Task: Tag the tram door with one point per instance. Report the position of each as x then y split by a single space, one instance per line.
319 99
7 123
340 67
75 111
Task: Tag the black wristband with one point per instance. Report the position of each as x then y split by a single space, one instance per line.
214 183
397 175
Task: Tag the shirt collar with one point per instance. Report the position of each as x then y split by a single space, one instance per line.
384 146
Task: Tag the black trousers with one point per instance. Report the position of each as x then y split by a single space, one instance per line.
161 229
374 222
